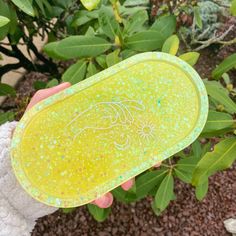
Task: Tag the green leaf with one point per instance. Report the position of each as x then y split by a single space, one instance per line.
113 58
99 214
183 175
83 16
127 53
221 158
68 210
82 46
90 32
4 11
233 8
90 4
52 83
197 17
220 94
165 25
145 41
75 73
201 190
197 149
171 45
13 21
224 66
6 116
146 182
217 121
108 23
3 21
6 89
40 85
50 50
135 22
190 57
206 148
124 196
25 6
184 168
165 192
91 70
187 164
101 60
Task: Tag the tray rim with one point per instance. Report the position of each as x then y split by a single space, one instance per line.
159 56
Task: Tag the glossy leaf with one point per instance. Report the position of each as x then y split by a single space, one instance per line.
171 45
165 25
82 46
220 94
99 214
113 58
90 4
224 66
146 182
221 158
217 121
165 192
75 73
145 41
201 190
6 89
3 21
190 57
6 116
26 6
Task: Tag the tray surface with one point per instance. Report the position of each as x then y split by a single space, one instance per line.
78 144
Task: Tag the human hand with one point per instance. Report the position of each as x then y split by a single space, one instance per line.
106 200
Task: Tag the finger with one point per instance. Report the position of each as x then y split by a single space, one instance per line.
128 184
105 201
45 93
57 88
158 164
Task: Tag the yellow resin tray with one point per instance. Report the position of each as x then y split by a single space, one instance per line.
75 146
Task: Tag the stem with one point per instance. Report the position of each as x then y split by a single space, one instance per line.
9 67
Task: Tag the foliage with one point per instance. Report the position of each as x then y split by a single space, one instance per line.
99 34
225 66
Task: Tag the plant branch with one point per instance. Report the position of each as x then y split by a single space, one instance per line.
9 67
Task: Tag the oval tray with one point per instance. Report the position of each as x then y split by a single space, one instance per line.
74 146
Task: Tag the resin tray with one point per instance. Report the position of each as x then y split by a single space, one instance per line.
77 145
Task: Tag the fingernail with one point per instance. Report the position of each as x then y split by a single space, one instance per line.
128 185
104 201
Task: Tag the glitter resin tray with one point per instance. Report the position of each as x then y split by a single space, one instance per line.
75 146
